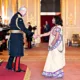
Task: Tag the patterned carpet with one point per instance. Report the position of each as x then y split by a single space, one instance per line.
35 59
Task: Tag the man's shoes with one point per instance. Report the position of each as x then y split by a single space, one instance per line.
10 69
20 70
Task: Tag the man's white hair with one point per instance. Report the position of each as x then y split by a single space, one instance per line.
23 8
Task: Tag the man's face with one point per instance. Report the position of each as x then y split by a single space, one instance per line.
46 22
53 20
23 13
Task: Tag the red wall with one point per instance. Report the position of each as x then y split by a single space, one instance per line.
46 18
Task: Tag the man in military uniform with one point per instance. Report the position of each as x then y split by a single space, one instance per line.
15 44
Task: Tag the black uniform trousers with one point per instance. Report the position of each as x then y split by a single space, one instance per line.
16 66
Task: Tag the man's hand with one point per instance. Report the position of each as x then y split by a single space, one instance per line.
35 36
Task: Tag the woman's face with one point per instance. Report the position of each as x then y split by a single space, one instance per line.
53 20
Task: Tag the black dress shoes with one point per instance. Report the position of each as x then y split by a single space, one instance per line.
10 69
20 70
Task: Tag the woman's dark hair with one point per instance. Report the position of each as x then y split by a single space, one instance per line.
58 20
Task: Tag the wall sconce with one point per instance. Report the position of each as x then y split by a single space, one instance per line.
70 19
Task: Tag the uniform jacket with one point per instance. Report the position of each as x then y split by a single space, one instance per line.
15 44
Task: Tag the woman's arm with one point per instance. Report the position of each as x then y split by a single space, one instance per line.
45 34
55 39
41 35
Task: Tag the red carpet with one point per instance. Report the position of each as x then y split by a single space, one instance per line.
11 75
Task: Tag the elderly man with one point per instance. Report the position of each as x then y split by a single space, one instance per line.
15 44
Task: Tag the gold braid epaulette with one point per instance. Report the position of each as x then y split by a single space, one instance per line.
17 21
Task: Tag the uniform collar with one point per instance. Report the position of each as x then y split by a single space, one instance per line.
19 14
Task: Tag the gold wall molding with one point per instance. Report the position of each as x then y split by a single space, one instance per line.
0 7
14 6
70 11
75 2
66 12
33 13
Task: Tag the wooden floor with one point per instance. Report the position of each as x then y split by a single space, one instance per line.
35 60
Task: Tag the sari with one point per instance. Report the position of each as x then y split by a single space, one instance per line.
56 56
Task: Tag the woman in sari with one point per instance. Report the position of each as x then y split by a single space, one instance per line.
56 56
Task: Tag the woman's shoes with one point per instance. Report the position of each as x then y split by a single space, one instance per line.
60 75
